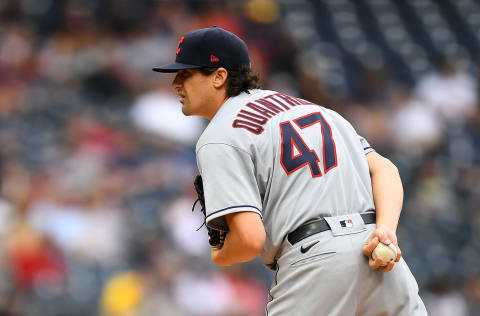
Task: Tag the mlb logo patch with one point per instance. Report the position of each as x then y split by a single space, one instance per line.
347 223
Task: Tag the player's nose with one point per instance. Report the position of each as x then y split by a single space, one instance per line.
177 82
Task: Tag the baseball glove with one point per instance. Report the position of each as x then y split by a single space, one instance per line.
215 237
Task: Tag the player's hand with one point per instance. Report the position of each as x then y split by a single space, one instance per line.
385 235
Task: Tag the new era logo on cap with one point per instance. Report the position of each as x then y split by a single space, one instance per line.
214 59
347 223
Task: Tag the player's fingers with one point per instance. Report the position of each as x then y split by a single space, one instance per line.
379 233
394 240
372 235
372 239
399 254
375 264
393 237
369 246
384 238
389 266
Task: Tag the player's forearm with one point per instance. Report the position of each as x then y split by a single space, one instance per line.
234 251
243 242
387 194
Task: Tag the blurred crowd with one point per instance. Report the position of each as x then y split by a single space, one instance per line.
97 161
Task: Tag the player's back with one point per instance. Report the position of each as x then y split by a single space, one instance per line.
308 160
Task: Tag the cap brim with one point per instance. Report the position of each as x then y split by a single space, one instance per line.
174 67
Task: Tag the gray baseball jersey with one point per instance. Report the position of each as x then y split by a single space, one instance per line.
285 158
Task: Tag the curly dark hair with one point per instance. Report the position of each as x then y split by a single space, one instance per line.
238 81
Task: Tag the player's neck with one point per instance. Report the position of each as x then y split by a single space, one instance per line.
217 101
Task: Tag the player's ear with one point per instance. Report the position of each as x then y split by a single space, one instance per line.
220 77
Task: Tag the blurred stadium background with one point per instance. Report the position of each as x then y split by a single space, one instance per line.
97 161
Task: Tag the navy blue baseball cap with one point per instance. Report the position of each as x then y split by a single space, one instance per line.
211 47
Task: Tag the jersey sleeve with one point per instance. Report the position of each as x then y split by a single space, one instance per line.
366 146
229 183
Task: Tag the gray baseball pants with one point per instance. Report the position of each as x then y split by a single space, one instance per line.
333 278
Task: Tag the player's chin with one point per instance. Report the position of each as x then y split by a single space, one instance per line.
186 110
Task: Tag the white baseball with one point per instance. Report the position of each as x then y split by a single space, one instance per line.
387 253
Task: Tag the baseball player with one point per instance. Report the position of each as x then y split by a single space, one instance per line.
293 182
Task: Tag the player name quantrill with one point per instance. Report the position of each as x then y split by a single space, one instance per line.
264 109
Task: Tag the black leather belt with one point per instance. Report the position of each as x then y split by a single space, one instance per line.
319 226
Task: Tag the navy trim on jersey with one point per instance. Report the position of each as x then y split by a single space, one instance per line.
238 206
368 148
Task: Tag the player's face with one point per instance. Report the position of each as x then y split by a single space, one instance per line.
194 90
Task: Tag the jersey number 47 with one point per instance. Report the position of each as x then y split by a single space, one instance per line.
296 154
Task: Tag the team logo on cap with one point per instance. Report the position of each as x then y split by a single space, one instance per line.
347 223
180 43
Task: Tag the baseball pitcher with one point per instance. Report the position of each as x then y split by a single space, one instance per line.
292 181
